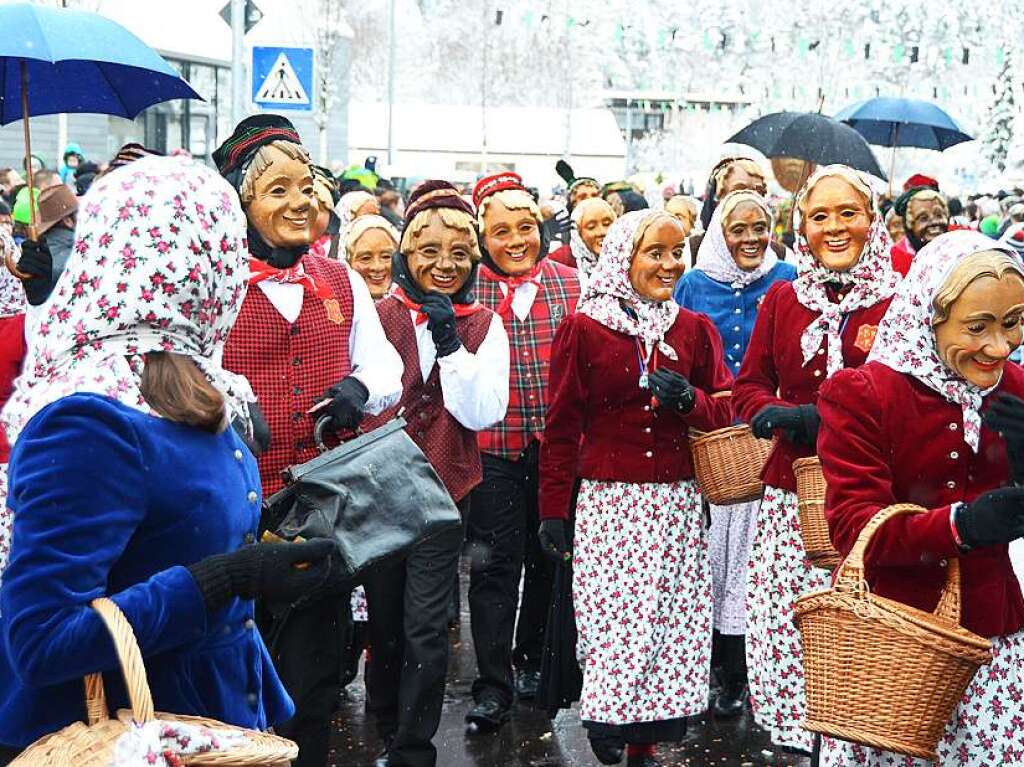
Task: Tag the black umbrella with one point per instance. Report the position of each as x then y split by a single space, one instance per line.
809 136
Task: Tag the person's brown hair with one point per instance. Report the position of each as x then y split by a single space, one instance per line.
177 390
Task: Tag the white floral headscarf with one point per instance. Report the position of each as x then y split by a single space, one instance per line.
609 287
713 256
12 292
159 264
871 279
906 338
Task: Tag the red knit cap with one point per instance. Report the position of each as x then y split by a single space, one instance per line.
919 179
435 194
499 182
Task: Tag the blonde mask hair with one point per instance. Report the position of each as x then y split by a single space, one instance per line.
744 163
588 206
513 199
263 159
984 263
732 200
450 217
361 226
930 194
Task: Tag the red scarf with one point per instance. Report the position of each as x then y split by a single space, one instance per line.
461 310
511 283
295 274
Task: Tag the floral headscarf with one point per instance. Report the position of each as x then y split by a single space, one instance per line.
585 258
12 293
713 256
159 264
906 338
871 279
609 286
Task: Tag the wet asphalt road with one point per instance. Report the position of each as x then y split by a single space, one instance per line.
530 739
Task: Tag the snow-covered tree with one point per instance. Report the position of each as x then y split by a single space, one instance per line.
1001 118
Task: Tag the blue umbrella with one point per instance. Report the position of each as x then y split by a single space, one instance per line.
55 60
903 122
76 61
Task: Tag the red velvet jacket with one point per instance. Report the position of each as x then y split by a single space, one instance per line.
773 371
886 438
12 354
600 423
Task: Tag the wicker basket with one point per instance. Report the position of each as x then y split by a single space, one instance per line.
810 493
728 464
92 744
879 672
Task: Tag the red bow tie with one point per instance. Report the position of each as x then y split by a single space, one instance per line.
461 310
511 283
294 275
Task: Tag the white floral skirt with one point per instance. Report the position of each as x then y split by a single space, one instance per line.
730 537
778 574
642 593
986 730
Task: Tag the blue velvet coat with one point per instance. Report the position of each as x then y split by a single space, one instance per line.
733 311
109 501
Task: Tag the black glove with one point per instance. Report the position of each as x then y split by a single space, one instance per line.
798 423
37 261
268 571
559 227
1006 416
441 323
672 390
553 540
347 400
259 440
991 519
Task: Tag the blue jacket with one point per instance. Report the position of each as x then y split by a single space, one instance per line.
733 311
109 501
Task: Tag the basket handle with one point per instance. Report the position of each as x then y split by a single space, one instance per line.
851 571
132 668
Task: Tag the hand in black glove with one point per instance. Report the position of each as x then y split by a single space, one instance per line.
347 400
441 323
673 390
36 261
991 519
269 571
559 227
798 423
554 541
1006 416
259 440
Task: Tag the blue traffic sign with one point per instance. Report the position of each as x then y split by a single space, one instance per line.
282 78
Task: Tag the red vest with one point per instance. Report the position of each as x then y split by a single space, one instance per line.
449 446
290 366
530 347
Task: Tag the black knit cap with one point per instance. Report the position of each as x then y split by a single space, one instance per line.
249 135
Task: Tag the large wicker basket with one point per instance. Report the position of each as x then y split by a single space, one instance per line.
879 672
810 493
92 744
728 464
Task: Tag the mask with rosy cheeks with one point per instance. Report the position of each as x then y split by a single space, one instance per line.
512 238
983 329
927 218
283 208
738 178
594 225
684 214
747 231
441 258
584 192
836 222
658 259
371 259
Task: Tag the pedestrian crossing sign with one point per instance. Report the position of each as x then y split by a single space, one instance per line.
282 78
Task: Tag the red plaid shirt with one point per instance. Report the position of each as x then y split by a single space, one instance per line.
530 349
290 366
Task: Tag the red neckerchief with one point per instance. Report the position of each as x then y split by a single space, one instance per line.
294 275
461 310
511 283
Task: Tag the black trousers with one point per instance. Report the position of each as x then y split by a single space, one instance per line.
503 509
538 576
307 645
408 603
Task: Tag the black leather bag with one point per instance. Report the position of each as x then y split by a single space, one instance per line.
376 495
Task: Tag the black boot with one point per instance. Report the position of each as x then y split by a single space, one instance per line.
733 698
607 749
